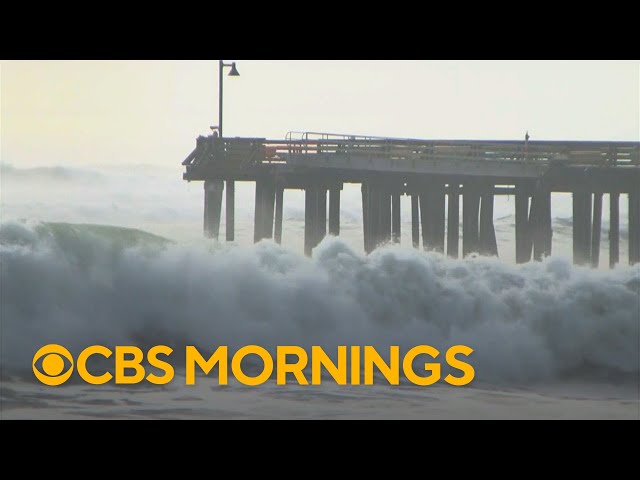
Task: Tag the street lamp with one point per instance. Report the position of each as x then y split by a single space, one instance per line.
231 187
232 73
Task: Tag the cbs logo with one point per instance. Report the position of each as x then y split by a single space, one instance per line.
52 365
49 365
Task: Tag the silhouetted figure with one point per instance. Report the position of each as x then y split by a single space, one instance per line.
527 137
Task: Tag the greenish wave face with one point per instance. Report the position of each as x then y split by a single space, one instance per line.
72 234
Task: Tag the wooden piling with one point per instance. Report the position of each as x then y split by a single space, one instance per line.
582 227
264 206
596 229
277 234
385 216
540 221
614 229
487 236
230 207
634 227
258 216
321 215
425 220
310 218
334 211
212 207
438 211
415 221
523 254
470 219
269 204
366 223
577 227
547 222
453 221
374 216
395 217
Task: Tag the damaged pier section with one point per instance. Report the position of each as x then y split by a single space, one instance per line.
451 184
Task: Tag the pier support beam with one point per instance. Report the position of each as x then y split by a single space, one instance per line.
395 217
321 225
264 206
366 221
212 207
310 219
425 221
540 221
596 229
614 229
258 212
438 201
385 215
334 211
470 230
453 221
581 227
487 234
432 211
373 199
374 217
634 227
315 217
415 221
376 213
277 234
230 206
523 241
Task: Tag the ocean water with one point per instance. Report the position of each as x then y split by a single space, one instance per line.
104 256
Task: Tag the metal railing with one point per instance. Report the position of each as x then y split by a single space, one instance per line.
260 151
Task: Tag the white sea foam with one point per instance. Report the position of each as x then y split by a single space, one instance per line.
78 287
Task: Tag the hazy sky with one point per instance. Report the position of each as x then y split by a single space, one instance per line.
150 112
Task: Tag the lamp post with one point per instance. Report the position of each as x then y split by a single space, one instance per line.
231 187
232 73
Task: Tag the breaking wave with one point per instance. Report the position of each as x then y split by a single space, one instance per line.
81 285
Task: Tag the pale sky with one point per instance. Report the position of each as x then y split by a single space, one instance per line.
150 112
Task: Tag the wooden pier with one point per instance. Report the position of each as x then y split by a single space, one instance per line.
435 174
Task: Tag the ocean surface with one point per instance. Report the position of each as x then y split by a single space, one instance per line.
109 256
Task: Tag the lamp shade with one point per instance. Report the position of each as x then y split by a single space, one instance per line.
234 71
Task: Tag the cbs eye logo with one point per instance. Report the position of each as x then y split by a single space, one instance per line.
52 365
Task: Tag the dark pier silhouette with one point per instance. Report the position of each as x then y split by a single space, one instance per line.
438 175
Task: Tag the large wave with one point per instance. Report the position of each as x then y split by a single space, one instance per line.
79 286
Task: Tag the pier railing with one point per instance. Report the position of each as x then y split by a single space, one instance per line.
251 151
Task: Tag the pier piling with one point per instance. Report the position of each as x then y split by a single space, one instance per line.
540 221
596 229
212 207
487 235
230 206
582 211
277 234
634 227
523 244
614 229
310 219
415 221
395 217
453 221
334 211
470 219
